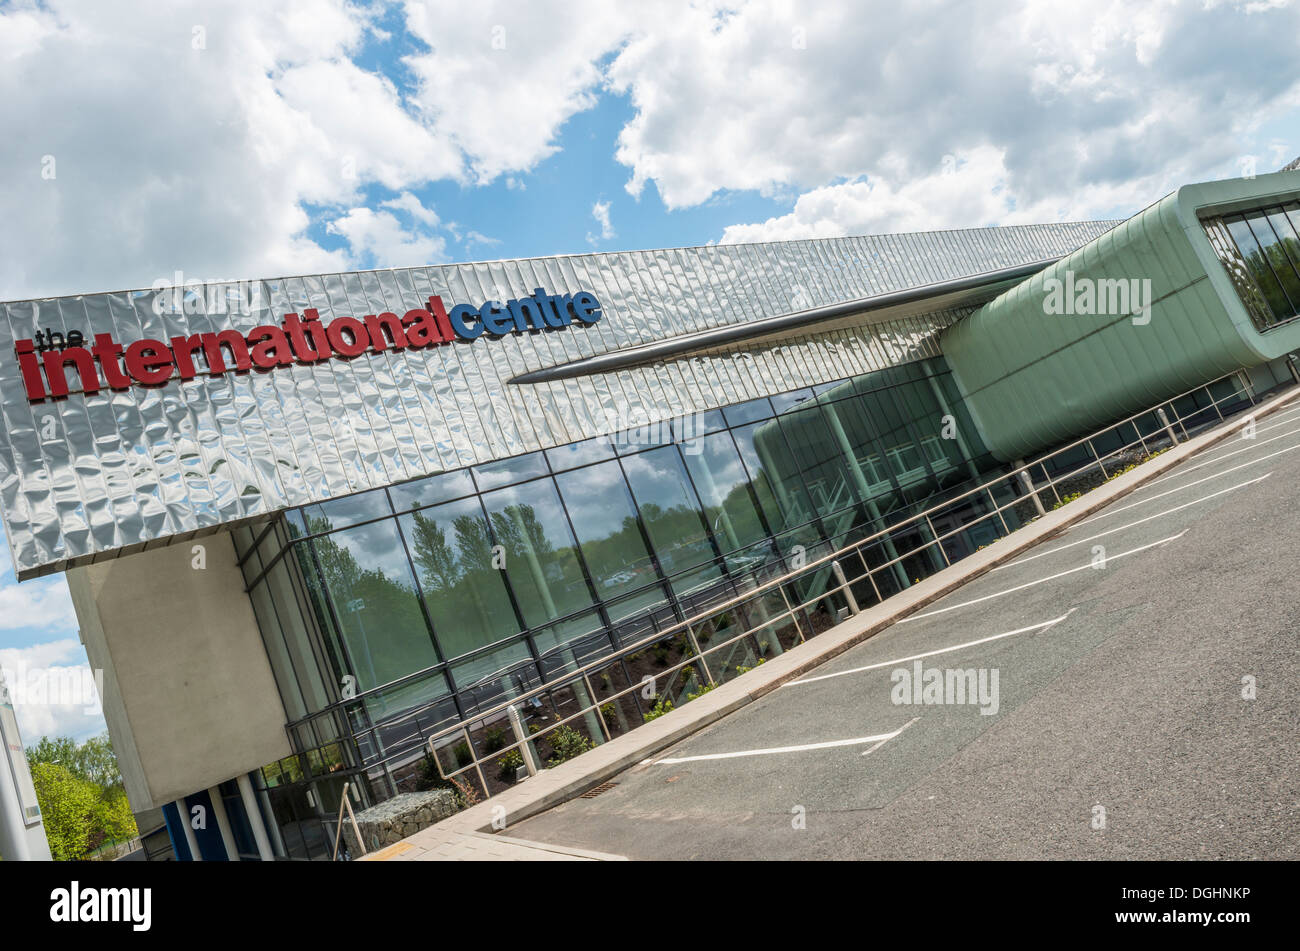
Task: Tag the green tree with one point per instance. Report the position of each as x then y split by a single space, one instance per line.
81 794
68 805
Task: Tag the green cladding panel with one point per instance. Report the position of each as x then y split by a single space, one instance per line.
1033 378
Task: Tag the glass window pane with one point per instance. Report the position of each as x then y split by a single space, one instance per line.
493 474
540 551
369 580
671 515
783 402
1276 259
816 457
464 592
1258 266
750 412
605 522
723 485
580 453
780 492
439 488
340 513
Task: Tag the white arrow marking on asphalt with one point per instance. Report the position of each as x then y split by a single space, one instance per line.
830 744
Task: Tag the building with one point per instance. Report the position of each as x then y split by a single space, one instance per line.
309 522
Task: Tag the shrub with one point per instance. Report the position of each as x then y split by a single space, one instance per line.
566 743
493 739
662 705
462 754
509 765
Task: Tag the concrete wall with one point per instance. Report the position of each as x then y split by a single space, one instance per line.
190 699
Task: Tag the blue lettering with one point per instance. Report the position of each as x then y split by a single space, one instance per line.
458 315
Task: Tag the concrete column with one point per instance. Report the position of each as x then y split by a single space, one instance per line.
183 807
276 839
223 824
254 817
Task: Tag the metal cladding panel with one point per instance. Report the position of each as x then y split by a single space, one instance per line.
89 476
1078 372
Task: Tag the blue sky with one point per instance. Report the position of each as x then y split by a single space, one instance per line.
245 139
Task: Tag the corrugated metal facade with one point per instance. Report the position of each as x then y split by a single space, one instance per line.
111 473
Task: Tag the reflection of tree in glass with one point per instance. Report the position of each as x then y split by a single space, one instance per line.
463 571
385 631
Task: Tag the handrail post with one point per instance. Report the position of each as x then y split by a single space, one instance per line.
844 586
521 737
1164 421
1027 481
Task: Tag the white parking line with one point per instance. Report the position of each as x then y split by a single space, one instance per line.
1161 495
942 650
856 741
1184 470
884 741
1112 531
1030 584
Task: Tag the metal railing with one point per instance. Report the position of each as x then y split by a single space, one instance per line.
771 601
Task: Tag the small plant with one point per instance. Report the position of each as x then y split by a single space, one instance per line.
509 765
610 715
742 669
427 774
688 673
494 739
566 743
662 705
462 754
1066 499
699 691
660 653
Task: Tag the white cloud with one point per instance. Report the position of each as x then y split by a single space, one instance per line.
500 79
1108 100
55 664
600 212
169 157
37 605
378 239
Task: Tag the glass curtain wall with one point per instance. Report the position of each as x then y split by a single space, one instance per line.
1261 250
400 610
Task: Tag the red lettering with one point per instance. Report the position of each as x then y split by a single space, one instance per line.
377 326
270 348
149 362
353 328
298 340
212 344
421 330
440 317
31 369
106 351
183 349
319 338
56 360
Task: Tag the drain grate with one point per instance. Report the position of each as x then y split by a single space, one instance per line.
595 791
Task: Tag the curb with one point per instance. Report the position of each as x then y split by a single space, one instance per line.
568 780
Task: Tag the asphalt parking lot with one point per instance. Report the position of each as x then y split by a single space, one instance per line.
1139 700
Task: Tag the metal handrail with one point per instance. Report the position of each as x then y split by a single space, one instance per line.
345 803
581 673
